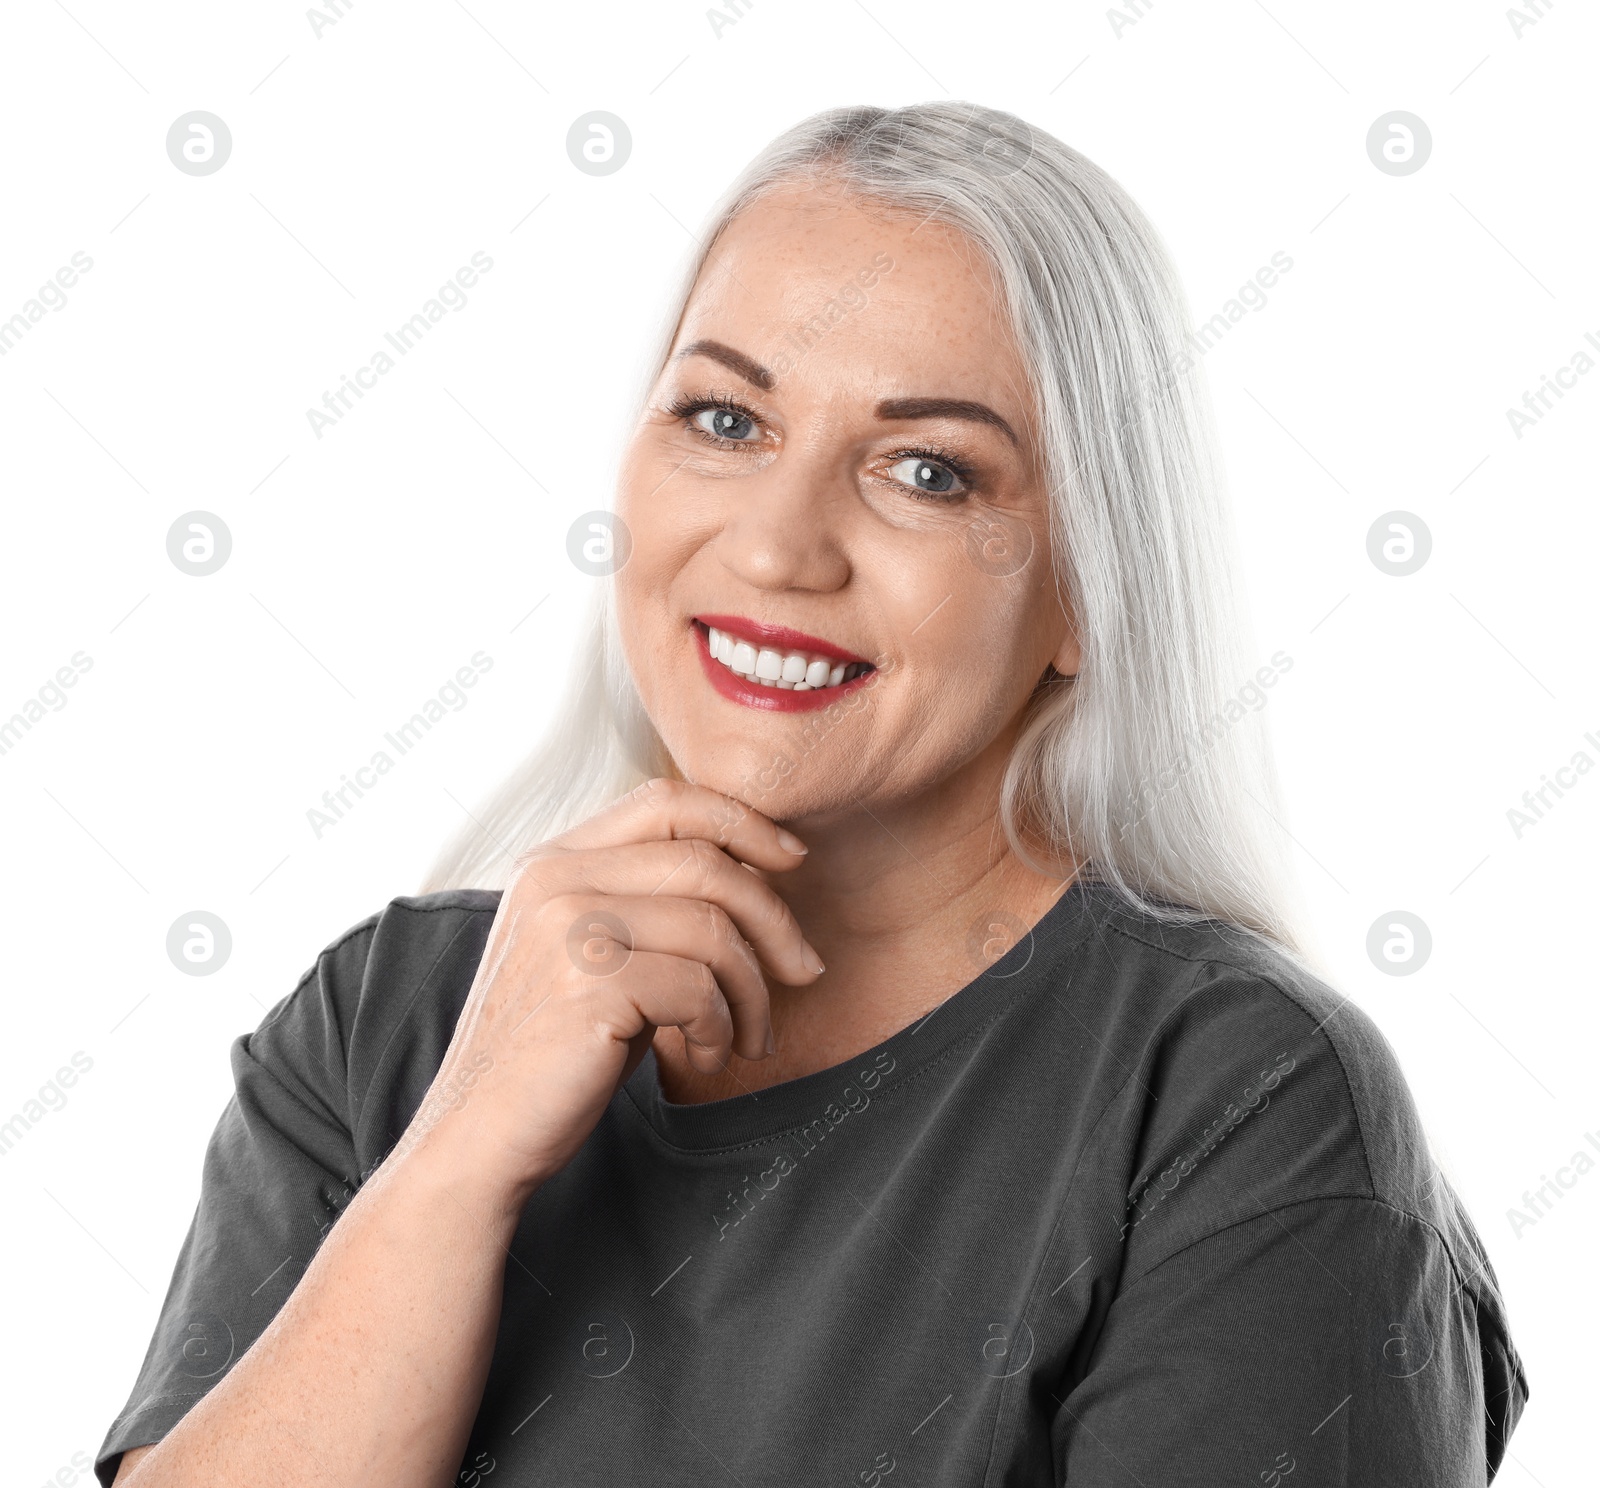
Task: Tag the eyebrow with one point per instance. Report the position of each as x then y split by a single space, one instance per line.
747 367
890 408
958 408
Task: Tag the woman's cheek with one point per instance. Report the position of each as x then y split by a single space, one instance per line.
958 699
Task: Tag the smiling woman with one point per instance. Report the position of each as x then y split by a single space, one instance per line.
1005 400
830 1054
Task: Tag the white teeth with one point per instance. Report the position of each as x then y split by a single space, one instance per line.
789 670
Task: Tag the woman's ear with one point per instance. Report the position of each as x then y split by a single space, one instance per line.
1069 658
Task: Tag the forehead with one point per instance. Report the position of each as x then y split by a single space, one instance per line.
827 288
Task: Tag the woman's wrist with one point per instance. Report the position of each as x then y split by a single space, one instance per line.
439 1169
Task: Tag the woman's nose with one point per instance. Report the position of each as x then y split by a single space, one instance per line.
784 527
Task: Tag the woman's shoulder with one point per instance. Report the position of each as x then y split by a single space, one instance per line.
1257 1104
371 973
418 939
366 1027
1248 1065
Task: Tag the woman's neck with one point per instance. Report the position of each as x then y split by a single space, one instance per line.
905 907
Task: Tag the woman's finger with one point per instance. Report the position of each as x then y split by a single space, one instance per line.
610 931
668 810
651 989
691 868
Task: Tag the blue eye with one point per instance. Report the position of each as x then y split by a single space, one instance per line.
724 423
925 475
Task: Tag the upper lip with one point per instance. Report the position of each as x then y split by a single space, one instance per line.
779 637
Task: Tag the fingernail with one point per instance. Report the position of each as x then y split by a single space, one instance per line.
771 1045
812 960
790 841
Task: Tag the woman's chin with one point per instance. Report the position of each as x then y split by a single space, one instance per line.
776 785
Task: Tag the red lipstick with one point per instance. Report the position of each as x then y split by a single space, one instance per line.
778 637
771 699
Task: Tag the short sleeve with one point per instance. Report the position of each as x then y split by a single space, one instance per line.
1331 1339
279 1167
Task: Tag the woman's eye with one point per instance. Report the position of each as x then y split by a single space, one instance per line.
724 423
926 475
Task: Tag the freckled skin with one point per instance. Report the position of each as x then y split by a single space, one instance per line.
812 519
793 533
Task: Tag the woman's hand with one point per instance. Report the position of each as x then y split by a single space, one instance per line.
639 918
374 1368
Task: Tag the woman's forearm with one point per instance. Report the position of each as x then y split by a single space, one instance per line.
374 1369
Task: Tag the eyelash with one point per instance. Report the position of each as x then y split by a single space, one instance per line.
685 408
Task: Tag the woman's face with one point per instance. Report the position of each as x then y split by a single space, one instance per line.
838 461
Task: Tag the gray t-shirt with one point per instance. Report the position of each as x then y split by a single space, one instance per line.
1139 1205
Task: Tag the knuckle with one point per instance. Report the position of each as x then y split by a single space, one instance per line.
571 989
706 995
730 943
661 791
529 870
609 1020
539 852
702 984
559 910
714 922
704 857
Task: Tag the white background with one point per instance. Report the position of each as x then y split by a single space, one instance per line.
370 162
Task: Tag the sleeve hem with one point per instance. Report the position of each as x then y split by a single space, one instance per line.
127 1433
152 1401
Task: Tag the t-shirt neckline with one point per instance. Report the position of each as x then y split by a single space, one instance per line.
763 1115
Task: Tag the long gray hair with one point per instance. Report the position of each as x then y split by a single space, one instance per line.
1152 766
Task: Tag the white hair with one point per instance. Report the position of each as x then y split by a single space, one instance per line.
1148 767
